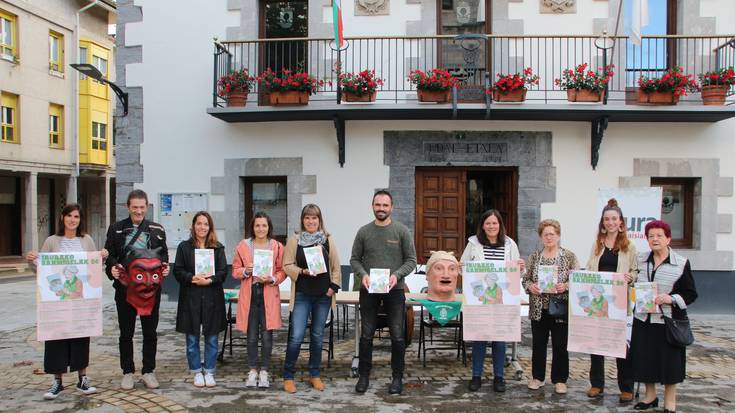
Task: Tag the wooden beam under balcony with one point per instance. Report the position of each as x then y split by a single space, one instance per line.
411 110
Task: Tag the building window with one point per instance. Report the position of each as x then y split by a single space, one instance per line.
8 36
100 64
56 52
268 194
83 59
56 126
99 136
654 55
9 112
677 208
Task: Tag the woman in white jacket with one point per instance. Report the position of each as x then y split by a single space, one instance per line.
490 243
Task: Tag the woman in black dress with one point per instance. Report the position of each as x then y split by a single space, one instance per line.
654 359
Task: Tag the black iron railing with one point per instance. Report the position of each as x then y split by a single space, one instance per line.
476 60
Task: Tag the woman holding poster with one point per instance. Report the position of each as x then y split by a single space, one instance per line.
60 356
544 320
612 251
259 300
201 297
655 360
490 243
315 282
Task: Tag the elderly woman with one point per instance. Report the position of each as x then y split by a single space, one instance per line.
490 243
611 251
543 323
654 359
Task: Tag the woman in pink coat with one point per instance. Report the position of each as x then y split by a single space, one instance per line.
259 302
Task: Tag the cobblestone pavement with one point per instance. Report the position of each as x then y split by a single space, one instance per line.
440 386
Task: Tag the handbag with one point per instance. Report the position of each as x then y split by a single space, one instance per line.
557 307
678 329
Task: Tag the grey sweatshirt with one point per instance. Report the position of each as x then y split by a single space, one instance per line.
390 247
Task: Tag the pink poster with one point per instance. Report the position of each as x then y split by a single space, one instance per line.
492 307
69 295
598 305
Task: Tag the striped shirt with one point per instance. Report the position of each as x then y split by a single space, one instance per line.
493 253
70 244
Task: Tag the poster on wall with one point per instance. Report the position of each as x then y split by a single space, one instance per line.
639 206
492 301
175 212
598 311
69 295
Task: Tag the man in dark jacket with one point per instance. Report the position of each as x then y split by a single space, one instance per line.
135 232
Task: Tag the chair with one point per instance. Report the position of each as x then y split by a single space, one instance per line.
230 320
457 341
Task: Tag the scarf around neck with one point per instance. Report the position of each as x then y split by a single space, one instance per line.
307 239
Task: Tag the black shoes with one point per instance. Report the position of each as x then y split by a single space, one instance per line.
499 384
396 386
362 384
646 406
475 384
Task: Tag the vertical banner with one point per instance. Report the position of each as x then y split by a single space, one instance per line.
598 304
639 206
69 295
492 301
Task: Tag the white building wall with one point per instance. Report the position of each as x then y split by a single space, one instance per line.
184 147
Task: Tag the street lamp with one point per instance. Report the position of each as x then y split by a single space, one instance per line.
604 43
91 71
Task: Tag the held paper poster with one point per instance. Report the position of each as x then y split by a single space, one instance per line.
379 278
492 306
315 260
263 264
204 261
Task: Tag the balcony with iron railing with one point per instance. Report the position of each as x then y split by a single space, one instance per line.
476 60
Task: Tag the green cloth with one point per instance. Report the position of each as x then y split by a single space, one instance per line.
229 295
442 311
389 247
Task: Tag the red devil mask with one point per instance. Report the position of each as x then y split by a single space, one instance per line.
142 274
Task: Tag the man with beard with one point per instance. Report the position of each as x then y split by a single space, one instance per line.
383 244
135 232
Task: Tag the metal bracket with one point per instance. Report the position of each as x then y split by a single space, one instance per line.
339 126
598 131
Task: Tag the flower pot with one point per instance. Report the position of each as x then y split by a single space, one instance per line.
585 95
366 97
518 95
237 98
433 96
714 95
657 98
290 97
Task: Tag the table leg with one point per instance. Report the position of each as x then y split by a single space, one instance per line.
356 356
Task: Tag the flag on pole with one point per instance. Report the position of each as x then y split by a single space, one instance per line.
639 19
339 39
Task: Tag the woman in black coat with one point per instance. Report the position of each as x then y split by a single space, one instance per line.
201 297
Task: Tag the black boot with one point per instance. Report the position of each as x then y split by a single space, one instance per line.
396 386
499 384
475 384
362 384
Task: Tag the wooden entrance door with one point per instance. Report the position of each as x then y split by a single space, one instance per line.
440 206
449 202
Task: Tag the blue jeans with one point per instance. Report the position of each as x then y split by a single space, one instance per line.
479 348
194 357
305 306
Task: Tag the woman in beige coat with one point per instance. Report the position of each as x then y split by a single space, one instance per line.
310 259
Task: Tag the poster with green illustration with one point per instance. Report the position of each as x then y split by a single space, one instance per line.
645 293
379 281
204 261
315 260
547 278
263 264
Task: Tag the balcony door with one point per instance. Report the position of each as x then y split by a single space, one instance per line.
284 20
466 59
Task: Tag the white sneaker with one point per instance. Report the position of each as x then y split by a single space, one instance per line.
252 380
263 381
150 380
127 382
535 384
209 380
199 379
560 388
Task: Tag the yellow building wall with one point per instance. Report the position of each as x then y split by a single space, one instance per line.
94 106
